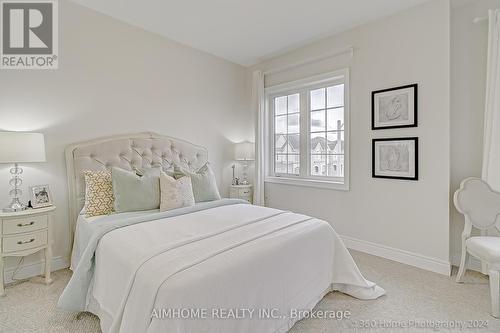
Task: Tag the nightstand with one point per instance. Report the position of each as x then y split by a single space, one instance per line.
24 233
244 192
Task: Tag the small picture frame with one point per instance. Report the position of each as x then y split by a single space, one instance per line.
395 107
395 158
40 196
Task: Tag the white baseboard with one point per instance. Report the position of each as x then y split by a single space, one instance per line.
402 256
33 269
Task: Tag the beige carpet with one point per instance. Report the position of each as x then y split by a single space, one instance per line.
412 295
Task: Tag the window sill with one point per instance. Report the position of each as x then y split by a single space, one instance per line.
325 184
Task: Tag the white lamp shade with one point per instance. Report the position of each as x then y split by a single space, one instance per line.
21 147
244 151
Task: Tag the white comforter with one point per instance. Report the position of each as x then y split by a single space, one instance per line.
238 259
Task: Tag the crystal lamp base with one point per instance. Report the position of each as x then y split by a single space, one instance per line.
15 205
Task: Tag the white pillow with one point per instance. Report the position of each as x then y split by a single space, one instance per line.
175 193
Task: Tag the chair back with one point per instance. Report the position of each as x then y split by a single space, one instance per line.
478 203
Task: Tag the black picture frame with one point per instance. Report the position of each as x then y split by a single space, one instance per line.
416 175
415 108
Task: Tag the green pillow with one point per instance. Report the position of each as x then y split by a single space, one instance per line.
135 193
204 184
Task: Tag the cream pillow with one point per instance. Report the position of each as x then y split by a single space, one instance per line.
99 197
175 193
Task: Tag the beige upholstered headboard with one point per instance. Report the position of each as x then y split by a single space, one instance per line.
142 150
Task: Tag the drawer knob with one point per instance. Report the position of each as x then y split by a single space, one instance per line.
26 242
25 224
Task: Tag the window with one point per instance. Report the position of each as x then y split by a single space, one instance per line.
308 122
326 107
287 134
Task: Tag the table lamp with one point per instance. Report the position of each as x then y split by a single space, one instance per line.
244 151
20 147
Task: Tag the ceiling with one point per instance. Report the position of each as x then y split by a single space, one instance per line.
246 32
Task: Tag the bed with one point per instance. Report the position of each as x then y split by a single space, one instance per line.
218 266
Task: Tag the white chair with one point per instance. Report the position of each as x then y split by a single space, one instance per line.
481 207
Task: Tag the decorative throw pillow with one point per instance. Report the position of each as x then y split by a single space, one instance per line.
135 193
204 184
175 193
98 193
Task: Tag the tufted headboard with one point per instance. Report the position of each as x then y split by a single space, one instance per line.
142 150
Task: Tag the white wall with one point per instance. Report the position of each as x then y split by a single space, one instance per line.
114 78
402 220
469 44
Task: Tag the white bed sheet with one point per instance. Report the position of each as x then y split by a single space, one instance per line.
230 257
85 227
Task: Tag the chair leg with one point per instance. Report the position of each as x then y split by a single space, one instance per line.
463 263
495 293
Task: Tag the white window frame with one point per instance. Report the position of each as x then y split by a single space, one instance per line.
301 86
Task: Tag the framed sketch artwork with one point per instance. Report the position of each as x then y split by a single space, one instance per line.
395 158
40 196
395 107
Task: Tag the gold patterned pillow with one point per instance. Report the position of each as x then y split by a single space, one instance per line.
99 198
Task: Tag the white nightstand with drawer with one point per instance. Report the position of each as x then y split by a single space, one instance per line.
244 192
24 233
